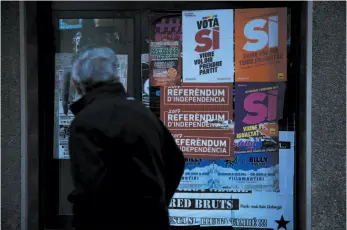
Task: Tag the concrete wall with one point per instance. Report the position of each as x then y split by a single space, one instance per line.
329 116
18 156
10 117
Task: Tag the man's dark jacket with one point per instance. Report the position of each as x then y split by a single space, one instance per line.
126 165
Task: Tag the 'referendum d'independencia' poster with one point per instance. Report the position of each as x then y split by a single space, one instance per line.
200 117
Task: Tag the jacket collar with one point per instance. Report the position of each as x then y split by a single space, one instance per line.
99 91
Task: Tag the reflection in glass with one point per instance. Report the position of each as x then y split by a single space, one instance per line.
76 34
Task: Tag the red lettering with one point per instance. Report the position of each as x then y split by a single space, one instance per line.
215 35
202 37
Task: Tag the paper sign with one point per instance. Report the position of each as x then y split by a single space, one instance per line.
261 45
165 67
208 46
253 191
259 107
200 117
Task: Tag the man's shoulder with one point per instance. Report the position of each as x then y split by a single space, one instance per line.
105 113
109 104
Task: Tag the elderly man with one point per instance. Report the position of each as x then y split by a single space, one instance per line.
125 164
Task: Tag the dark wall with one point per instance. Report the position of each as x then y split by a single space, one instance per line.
329 116
32 115
10 117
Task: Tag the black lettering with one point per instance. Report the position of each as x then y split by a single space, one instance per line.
197 61
210 22
199 23
215 23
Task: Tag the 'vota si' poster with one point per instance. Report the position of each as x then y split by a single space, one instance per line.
241 209
208 46
259 107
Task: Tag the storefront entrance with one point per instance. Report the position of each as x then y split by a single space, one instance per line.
128 28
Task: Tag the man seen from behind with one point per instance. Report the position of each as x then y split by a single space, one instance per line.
125 163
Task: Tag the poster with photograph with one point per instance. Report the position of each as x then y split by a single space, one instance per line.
252 208
200 117
261 45
165 66
66 94
208 46
259 107
257 172
261 137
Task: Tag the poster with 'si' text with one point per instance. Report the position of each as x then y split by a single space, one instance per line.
261 45
208 46
259 107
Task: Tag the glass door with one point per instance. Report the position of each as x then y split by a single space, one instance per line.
74 31
129 33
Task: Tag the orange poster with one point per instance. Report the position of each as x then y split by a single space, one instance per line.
261 45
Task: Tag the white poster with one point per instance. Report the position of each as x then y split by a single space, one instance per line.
239 208
208 46
145 79
122 69
65 94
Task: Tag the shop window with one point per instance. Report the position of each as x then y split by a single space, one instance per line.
240 187
255 176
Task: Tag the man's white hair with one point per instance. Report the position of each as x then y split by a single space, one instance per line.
94 65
